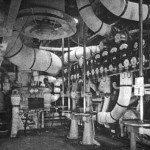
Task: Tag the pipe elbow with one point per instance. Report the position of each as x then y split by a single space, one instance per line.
55 97
126 9
57 90
91 20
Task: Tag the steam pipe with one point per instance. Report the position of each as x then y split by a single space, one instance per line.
122 103
104 87
91 20
79 51
57 90
32 58
106 103
126 9
56 82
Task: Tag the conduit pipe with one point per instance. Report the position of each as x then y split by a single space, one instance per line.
76 54
126 9
122 103
91 20
32 58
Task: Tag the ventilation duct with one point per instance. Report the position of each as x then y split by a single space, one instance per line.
32 58
122 103
126 9
91 20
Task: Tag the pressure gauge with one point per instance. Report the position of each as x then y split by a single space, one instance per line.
101 69
123 46
135 46
111 68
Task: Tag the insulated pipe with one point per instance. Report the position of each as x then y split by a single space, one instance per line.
91 20
122 103
58 48
76 54
57 90
32 58
104 87
106 103
126 9
88 100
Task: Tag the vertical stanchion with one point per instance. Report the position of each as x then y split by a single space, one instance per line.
84 69
69 70
63 90
141 54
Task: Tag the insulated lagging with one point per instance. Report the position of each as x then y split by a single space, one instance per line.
126 9
91 20
31 58
122 103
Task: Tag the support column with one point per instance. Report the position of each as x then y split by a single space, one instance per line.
73 133
15 100
63 88
69 74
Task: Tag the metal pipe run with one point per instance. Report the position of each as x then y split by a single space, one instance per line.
84 68
63 88
69 74
141 54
